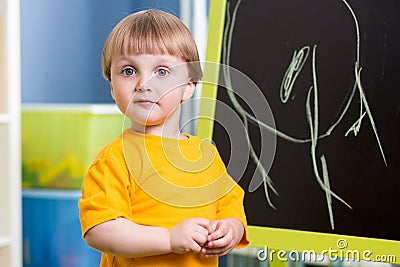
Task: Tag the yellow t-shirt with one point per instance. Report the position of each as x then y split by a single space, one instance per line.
159 182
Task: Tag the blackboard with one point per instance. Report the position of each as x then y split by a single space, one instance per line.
329 71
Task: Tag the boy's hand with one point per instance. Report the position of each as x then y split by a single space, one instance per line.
226 235
189 235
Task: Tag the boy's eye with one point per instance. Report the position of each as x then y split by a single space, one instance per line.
162 72
128 71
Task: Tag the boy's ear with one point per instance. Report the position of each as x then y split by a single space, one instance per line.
188 91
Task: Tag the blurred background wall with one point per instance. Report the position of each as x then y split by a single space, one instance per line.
62 43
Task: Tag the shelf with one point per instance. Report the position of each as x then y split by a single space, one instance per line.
4 241
4 118
10 137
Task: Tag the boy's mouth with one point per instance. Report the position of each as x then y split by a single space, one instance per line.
145 102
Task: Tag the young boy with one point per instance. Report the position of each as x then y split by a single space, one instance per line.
155 196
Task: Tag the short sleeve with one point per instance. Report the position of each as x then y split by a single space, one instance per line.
105 194
231 206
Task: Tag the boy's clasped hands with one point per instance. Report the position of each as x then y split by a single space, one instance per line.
215 238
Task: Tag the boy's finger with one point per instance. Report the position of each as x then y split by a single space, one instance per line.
205 223
213 252
200 239
201 230
195 247
215 225
219 243
218 233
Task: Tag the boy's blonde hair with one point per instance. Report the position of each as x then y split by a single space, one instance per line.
151 32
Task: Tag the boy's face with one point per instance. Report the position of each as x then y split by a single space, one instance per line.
149 89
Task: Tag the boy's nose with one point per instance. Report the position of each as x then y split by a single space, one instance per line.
142 87
144 83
